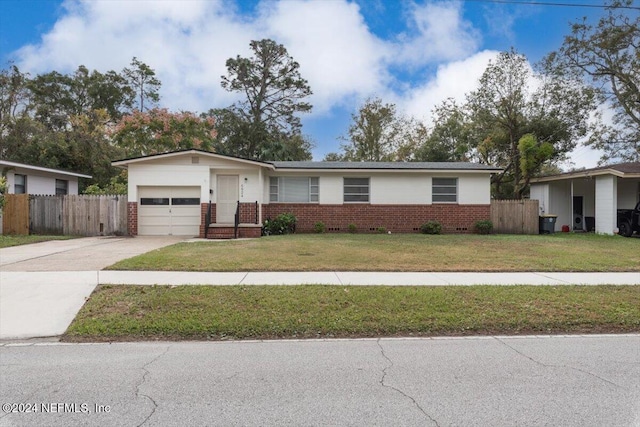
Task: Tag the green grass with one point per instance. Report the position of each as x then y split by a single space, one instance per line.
124 313
398 252
11 240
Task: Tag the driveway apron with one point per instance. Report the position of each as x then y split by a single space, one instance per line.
31 306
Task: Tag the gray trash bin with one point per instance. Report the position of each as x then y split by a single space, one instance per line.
547 224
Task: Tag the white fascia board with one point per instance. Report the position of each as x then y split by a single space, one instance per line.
585 174
125 163
41 169
373 171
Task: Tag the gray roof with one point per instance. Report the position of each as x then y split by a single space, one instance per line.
385 165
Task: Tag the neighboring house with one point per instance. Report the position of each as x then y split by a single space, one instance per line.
28 179
175 193
588 199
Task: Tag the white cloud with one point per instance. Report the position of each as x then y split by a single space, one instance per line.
438 33
337 53
452 80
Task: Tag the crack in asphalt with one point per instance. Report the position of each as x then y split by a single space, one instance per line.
143 380
382 383
559 366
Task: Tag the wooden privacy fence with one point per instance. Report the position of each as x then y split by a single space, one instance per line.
69 215
15 214
515 216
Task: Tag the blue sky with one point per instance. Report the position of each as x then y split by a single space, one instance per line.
412 53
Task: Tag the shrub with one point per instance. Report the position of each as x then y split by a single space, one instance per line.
352 228
484 226
431 227
283 224
319 227
382 230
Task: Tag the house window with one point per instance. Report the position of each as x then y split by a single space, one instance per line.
294 189
62 187
444 190
20 184
356 189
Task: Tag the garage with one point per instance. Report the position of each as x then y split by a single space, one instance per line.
166 211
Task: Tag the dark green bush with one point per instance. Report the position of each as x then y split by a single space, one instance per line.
319 227
431 227
352 228
282 224
484 227
382 230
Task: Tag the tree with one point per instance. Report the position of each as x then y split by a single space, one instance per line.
378 133
142 79
450 139
158 131
558 110
3 190
533 155
273 91
607 56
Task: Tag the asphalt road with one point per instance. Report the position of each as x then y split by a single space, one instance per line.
482 381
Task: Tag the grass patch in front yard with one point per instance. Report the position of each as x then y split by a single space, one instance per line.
17 240
398 252
125 313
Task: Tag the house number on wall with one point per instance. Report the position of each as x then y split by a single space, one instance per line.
241 190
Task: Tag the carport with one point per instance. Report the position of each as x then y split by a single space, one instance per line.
588 200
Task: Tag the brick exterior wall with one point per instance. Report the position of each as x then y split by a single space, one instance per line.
203 219
248 213
132 218
367 218
247 216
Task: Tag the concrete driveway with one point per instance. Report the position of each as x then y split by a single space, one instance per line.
84 254
32 306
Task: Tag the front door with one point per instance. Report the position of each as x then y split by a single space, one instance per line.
227 198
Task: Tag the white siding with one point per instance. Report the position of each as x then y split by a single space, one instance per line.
474 189
606 204
540 192
38 182
560 203
168 175
408 188
400 189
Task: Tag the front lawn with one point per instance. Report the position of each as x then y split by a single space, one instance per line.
398 252
125 313
11 240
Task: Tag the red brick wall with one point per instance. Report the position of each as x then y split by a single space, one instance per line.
367 218
132 218
248 213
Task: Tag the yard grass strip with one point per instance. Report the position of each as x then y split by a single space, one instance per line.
134 313
17 240
398 252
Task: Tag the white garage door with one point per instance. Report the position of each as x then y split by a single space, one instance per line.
168 211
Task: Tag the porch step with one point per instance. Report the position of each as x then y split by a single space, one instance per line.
226 231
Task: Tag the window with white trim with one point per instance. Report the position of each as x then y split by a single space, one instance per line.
294 189
444 190
19 184
356 190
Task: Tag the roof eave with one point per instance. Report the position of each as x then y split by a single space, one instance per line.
42 169
584 174
124 164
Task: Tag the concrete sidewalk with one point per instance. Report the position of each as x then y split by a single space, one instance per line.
104 277
43 304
